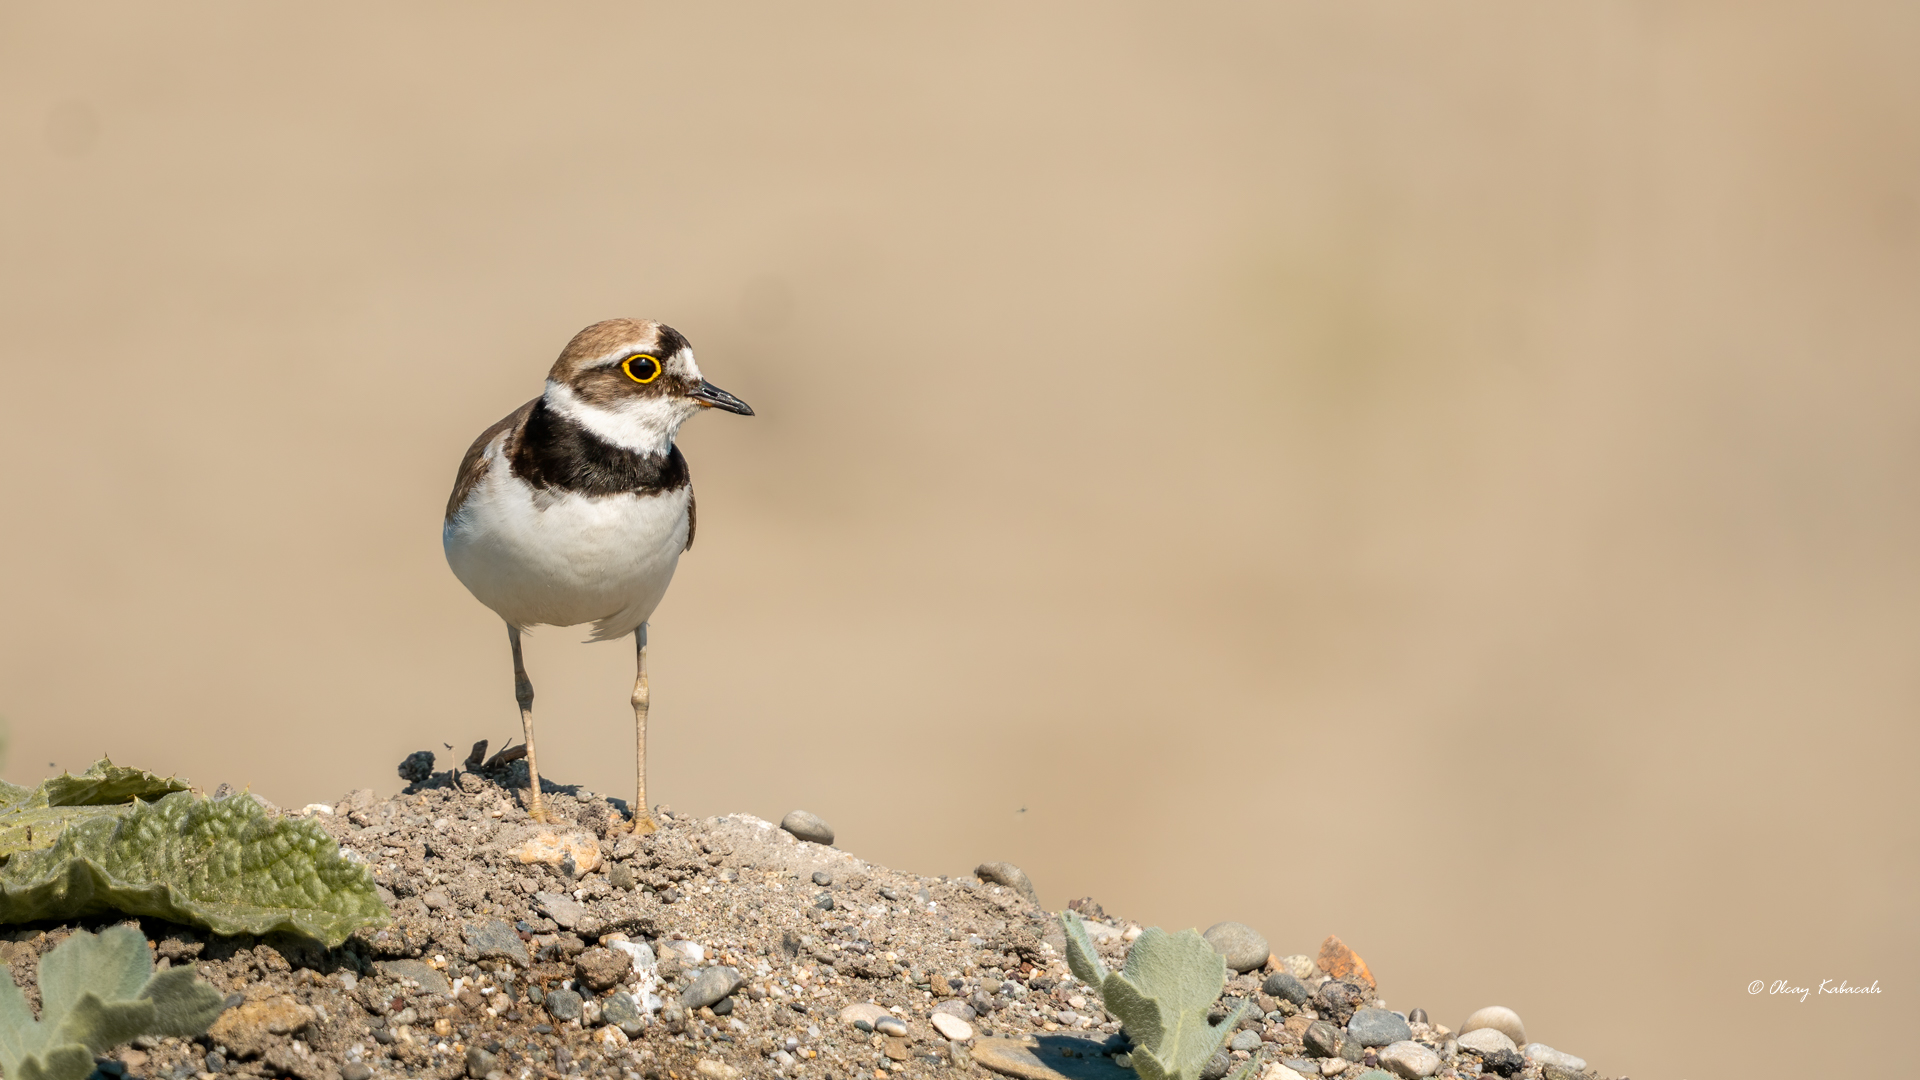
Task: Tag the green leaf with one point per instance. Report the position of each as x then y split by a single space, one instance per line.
1162 995
96 992
32 819
224 864
1081 957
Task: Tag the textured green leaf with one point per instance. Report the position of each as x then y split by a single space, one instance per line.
224 864
113 965
33 818
183 1004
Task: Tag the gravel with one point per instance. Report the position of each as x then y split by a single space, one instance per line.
615 957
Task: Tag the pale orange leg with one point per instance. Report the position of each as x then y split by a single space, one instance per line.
523 693
643 822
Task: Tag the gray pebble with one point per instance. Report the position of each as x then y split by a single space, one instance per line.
620 876
1378 1027
1542 1054
822 878
563 1005
956 1007
1216 1067
1246 1040
479 1063
1322 1039
1010 876
356 1070
824 901
495 940
710 986
1418 1016
808 827
621 1011
1238 944
564 910
891 1025
1410 1060
1287 988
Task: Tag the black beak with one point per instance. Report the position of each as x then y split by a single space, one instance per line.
713 397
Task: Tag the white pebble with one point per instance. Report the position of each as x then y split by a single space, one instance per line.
1499 1018
952 1027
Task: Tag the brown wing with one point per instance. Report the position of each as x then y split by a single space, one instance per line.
474 466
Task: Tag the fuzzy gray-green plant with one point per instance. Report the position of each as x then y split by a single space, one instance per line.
1162 995
96 992
92 844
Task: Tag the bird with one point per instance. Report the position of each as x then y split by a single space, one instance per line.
576 507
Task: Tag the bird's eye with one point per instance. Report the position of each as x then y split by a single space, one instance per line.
641 368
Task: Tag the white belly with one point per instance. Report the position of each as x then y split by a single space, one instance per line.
541 558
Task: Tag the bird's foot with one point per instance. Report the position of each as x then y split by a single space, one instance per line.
644 824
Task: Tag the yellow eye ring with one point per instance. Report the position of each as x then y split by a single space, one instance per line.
652 369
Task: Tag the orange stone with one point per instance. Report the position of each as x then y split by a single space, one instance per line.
1341 962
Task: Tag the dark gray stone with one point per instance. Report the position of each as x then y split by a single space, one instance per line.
808 827
480 1063
495 940
1010 876
824 901
1216 1066
1322 1039
1287 988
1238 944
1377 1027
709 986
563 1005
620 876
1418 1016
1337 1000
1246 1040
956 1007
417 767
822 878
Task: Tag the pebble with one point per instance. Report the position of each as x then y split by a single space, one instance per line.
1238 944
248 1029
480 1063
580 849
1378 1027
1277 1071
863 1011
808 827
620 1011
356 1070
561 908
1484 1041
710 986
436 900
1337 1000
1341 962
822 878
1322 1039
639 953
1008 875
417 767
1542 1054
1499 1018
1216 1067
1333 1066
620 876
1057 1058
493 939
431 979
716 1070
1299 966
891 1025
1246 1040
563 1004
955 1007
1286 987
1409 1059
1418 1016
600 968
952 1026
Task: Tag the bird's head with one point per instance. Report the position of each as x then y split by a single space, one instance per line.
633 382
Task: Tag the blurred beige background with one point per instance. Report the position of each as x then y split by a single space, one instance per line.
1447 475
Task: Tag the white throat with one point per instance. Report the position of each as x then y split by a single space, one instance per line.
645 425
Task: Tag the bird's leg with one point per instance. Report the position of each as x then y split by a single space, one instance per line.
523 693
643 822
